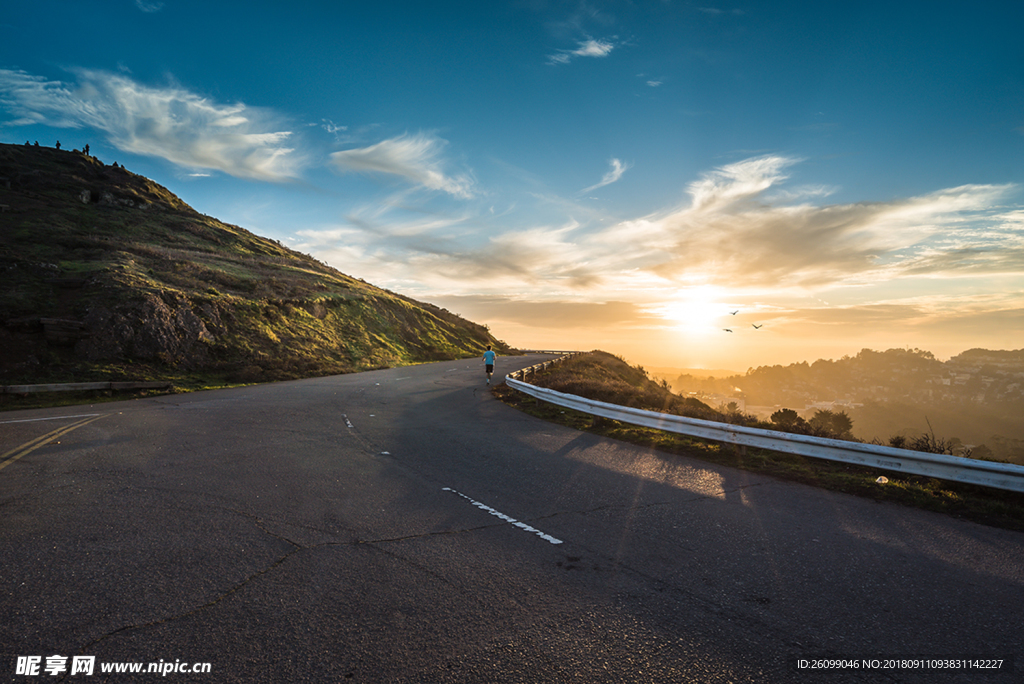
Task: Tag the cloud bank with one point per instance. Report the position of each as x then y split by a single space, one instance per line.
731 236
737 232
171 123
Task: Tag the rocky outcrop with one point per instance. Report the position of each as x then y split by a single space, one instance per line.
166 329
61 331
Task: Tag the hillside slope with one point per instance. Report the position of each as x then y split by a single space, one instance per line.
105 274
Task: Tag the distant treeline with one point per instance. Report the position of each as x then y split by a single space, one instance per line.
606 377
972 403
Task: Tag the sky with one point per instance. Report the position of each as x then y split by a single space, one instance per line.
684 184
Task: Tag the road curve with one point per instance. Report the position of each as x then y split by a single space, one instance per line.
404 526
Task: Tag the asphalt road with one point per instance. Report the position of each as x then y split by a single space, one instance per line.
405 526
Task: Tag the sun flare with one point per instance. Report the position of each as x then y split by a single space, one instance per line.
698 311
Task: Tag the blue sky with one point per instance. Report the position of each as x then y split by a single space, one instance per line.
582 174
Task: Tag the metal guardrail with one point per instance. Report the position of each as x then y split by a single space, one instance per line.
549 351
972 471
522 373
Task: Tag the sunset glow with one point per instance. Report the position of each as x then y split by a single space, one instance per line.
697 312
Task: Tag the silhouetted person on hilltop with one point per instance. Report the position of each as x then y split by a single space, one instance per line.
87 150
58 144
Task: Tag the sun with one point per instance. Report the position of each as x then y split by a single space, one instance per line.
696 311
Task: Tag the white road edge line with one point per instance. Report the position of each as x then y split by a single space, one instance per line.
35 420
498 514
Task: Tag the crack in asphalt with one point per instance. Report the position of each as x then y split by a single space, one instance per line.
297 548
193 611
258 522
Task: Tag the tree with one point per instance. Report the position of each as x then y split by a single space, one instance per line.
786 418
822 420
842 424
833 424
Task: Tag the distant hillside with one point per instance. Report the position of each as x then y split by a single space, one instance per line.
670 374
105 275
976 397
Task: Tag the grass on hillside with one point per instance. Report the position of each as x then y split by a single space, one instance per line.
604 377
135 235
89 242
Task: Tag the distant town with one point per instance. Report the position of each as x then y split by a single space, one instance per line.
976 376
976 397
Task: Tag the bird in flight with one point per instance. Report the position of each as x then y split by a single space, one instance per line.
756 326
733 313
726 329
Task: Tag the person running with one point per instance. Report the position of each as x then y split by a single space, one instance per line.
489 357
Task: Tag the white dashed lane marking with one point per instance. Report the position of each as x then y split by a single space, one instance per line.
508 519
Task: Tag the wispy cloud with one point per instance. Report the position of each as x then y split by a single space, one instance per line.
585 48
714 11
172 123
554 315
149 6
734 182
651 81
614 174
415 158
331 127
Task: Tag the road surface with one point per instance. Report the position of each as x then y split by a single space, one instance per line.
404 526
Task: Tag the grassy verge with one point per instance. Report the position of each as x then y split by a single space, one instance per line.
606 377
35 400
180 383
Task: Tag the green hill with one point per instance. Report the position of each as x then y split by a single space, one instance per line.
105 275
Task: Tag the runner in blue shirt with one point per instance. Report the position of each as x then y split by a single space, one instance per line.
489 357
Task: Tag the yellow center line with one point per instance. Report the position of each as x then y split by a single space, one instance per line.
26 449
